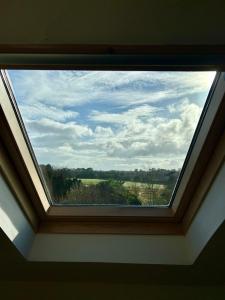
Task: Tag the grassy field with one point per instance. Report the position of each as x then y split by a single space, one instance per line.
90 181
130 184
127 184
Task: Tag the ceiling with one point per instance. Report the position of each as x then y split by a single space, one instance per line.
209 269
146 22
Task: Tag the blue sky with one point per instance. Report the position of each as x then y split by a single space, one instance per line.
121 120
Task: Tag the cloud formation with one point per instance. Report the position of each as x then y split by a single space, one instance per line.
111 120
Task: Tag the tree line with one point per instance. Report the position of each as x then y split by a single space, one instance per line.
65 185
159 176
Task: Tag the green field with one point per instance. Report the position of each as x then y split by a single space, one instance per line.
94 181
91 181
127 184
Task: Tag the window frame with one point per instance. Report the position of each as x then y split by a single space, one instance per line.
28 186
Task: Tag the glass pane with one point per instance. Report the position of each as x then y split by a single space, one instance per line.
110 137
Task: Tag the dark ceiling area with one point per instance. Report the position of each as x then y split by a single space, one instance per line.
209 268
126 22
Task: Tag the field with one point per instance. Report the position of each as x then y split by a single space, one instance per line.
144 191
90 181
127 184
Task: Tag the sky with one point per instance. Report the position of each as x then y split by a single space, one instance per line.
111 120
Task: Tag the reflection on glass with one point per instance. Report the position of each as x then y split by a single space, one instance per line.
110 137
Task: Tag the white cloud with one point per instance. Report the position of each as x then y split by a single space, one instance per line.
148 118
103 132
49 133
143 111
150 141
32 112
66 88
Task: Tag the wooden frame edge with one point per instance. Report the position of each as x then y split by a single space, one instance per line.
11 164
214 165
112 49
10 175
92 227
211 143
112 56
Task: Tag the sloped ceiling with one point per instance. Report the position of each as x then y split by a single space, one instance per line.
209 269
146 22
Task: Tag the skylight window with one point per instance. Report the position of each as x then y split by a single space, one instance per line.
110 137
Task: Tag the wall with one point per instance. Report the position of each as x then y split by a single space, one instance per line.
12 220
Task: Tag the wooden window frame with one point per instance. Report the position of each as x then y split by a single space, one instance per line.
18 165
